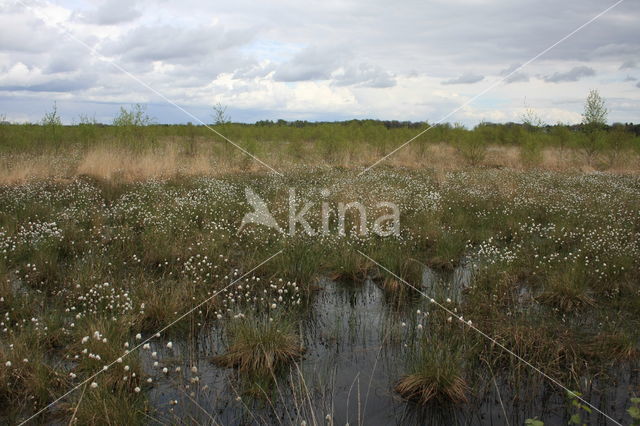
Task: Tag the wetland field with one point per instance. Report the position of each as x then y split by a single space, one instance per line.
133 289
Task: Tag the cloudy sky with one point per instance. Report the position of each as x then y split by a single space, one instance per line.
327 60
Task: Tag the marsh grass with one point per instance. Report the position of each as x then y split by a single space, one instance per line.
436 373
108 406
568 291
32 379
139 150
552 254
613 346
260 346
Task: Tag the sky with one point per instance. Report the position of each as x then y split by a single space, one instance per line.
330 60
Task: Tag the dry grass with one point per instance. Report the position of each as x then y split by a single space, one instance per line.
169 158
567 291
613 346
16 169
422 389
260 346
436 369
108 163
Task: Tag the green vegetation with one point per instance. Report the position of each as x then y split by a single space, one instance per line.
261 346
109 233
89 264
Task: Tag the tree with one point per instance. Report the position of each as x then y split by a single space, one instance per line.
136 117
132 122
531 120
220 116
594 120
595 111
51 123
52 118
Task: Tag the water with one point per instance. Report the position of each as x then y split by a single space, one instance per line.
354 356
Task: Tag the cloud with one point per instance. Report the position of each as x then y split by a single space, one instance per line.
630 78
172 44
638 85
628 65
574 74
259 70
279 59
516 77
364 75
17 34
55 85
112 12
312 63
465 79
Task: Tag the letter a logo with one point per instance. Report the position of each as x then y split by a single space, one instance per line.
260 215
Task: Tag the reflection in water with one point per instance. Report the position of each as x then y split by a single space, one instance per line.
355 354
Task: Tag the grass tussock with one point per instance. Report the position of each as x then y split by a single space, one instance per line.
436 375
567 291
422 388
260 346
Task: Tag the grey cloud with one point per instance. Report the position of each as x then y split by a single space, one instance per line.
312 63
179 45
332 63
452 36
59 63
55 85
638 85
112 12
364 75
254 70
516 77
574 74
17 34
465 79
630 78
628 65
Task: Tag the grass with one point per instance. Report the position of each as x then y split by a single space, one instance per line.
567 291
436 368
260 346
131 247
141 151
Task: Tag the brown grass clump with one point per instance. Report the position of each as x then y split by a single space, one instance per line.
567 291
551 348
25 377
260 346
392 285
613 346
422 389
435 373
